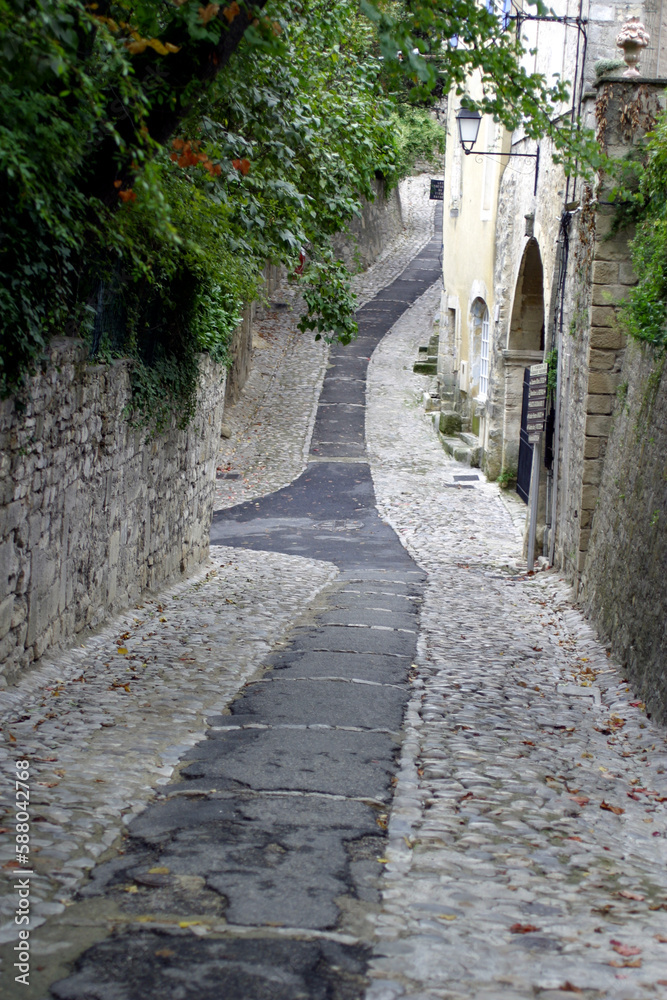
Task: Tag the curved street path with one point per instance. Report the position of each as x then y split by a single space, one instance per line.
389 765
276 822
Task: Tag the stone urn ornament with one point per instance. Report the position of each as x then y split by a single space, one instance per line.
633 38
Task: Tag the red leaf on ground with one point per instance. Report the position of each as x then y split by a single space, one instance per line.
523 928
662 938
581 800
632 895
569 987
612 809
624 949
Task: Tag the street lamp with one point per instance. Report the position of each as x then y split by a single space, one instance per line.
468 122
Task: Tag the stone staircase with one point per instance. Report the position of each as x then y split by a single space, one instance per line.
427 362
463 446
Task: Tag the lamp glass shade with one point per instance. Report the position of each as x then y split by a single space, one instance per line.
468 122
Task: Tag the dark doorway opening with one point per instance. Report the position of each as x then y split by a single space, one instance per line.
525 463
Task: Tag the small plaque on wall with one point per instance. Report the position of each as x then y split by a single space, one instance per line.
437 191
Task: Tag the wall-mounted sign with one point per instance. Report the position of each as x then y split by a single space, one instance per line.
537 402
437 191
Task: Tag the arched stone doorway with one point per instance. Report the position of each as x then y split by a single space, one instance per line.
525 346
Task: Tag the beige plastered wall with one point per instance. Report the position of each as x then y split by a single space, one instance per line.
469 224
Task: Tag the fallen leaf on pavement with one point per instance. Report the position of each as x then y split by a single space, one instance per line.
446 916
569 987
612 809
581 800
165 953
636 963
523 928
624 949
632 895
662 938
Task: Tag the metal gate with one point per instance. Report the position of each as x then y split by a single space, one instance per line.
525 464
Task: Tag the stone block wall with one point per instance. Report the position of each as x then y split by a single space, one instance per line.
625 111
597 364
91 513
240 348
381 221
623 580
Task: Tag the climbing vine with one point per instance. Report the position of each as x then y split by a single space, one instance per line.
645 310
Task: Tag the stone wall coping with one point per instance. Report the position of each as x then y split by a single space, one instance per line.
631 81
513 355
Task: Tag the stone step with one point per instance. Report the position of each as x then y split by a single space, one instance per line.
464 447
455 447
428 367
450 423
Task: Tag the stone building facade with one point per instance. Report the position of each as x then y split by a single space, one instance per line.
560 271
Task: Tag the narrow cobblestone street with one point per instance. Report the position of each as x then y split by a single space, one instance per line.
363 754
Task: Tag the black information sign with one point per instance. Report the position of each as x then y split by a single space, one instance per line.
437 191
537 402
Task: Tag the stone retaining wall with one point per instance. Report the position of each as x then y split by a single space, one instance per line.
92 514
380 222
240 348
623 583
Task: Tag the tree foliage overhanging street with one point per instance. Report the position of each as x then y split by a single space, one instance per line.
155 155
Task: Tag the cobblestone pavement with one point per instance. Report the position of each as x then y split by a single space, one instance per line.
528 846
272 421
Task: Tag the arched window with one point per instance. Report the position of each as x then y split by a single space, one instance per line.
484 356
480 336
